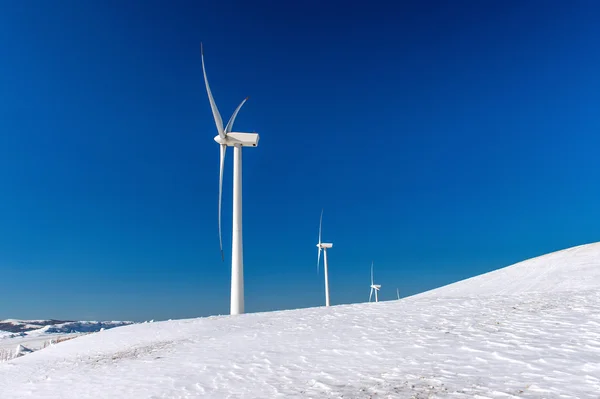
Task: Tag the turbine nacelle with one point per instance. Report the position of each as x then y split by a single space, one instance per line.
323 246
236 138
227 138
374 287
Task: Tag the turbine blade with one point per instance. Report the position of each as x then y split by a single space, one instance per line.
371 294
232 119
318 259
213 105
222 160
371 273
320 224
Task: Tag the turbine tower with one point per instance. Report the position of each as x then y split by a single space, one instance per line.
227 138
374 287
323 246
398 293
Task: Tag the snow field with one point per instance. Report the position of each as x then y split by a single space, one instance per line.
534 345
528 331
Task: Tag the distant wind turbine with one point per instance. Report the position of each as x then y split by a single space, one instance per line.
227 138
398 293
374 287
323 246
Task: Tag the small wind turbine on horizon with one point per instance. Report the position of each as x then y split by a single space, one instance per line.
374 287
398 293
227 138
323 246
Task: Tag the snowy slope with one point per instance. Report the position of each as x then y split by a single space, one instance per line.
542 344
576 268
25 336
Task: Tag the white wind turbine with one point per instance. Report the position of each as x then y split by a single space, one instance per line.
398 293
227 138
374 287
323 246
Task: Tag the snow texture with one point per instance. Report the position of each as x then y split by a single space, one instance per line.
493 336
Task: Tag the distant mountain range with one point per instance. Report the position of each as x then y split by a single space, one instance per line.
17 326
57 326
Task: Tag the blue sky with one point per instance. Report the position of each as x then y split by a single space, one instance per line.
443 140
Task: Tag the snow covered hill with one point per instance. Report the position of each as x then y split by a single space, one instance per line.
20 337
572 269
534 339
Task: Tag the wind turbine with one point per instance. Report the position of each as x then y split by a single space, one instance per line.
398 293
323 246
374 287
227 138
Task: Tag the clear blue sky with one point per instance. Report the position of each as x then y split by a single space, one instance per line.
443 140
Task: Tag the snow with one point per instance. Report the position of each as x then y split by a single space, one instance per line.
21 350
7 334
24 325
82 326
493 336
34 335
57 326
572 269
